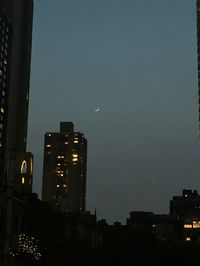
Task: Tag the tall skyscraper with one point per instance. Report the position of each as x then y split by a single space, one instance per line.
5 54
64 169
198 47
15 163
15 58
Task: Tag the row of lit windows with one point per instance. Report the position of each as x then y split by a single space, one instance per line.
60 157
66 143
195 224
64 185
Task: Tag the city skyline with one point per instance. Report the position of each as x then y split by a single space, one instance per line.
137 63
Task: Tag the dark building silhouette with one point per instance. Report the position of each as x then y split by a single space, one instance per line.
161 225
5 53
185 206
186 210
15 42
15 163
64 169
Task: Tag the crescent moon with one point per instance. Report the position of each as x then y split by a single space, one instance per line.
97 110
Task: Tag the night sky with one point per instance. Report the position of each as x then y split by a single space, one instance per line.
136 61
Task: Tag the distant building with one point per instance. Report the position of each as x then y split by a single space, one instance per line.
64 169
161 225
185 206
186 210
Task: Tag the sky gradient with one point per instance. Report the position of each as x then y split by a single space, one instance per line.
136 61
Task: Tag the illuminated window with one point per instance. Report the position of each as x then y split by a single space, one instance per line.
24 167
2 110
66 142
187 226
74 155
64 185
49 135
48 146
188 239
58 186
74 159
196 225
23 180
75 141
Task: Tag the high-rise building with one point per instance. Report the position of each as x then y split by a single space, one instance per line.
15 163
64 169
5 54
15 58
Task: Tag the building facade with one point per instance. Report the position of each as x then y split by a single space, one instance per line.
16 39
186 210
64 169
5 55
15 163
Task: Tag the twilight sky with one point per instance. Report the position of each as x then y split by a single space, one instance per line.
136 61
